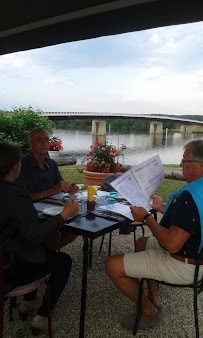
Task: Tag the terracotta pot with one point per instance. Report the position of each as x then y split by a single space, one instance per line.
92 178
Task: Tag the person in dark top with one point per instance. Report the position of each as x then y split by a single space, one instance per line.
39 174
22 234
170 254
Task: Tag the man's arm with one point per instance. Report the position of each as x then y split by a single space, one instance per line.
60 187
172 239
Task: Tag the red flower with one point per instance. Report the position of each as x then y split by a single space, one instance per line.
101 158
55 146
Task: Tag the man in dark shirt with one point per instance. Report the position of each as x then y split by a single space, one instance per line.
170 254
39 174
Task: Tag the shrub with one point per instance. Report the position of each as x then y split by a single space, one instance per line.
15 125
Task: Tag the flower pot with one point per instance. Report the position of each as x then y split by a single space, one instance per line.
54 154
94 178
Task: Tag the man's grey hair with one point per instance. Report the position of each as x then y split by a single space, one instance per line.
196 150
35 131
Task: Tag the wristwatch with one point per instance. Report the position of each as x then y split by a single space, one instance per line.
145 217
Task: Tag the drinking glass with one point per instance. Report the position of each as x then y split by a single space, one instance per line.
80 186
96 187
81 199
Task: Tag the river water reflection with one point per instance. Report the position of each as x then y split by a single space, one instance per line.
139 147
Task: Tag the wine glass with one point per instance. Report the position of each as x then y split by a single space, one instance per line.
96 187
80 186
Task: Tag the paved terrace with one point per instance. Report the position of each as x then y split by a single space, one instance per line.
105 304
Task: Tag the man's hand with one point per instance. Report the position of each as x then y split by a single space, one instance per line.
65 187
62 187
73 188
70 209
157 203
138 213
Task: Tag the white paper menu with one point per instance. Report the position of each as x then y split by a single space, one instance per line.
139 183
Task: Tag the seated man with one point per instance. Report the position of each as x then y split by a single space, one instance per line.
170 254
39 174
22 234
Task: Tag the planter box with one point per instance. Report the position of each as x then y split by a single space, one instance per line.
62 158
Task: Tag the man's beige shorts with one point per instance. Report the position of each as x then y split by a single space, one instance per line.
157 263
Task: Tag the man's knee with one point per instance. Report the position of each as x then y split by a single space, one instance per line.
141 243
64 262
114 266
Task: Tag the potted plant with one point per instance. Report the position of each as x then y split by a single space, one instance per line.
100 163
55 145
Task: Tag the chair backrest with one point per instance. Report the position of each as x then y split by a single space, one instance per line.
106 184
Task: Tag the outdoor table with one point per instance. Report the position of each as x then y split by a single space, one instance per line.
90 226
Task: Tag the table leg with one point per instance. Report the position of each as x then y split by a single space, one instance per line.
84 287
90 253
110 238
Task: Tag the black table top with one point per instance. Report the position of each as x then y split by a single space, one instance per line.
93 225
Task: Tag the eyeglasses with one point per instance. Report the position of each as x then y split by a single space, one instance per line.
187 161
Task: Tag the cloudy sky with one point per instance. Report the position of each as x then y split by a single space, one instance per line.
154 71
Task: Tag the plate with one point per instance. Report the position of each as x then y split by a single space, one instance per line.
52 211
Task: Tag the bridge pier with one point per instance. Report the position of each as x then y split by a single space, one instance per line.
197 129
186 129
156 127
98 131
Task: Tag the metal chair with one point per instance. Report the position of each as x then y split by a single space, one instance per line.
197 289
8 290
127 228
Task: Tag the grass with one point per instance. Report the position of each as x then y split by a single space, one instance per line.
73 173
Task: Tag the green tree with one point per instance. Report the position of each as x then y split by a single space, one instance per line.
15 125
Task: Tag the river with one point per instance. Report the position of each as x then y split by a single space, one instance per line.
139 147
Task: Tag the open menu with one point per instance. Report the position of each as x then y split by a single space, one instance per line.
138 184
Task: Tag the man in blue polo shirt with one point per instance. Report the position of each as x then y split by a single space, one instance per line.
170 254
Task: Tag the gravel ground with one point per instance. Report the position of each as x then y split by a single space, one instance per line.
106 305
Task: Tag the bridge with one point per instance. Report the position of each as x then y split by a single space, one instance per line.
156 125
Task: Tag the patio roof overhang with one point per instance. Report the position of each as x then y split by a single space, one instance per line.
32 24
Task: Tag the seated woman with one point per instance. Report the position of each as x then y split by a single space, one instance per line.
22 234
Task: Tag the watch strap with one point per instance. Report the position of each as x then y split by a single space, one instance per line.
145 217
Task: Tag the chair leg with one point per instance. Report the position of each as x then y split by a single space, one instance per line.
142 230
101 245
48 309
137 319
11 307
134 237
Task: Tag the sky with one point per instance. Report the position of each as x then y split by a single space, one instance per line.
156 71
